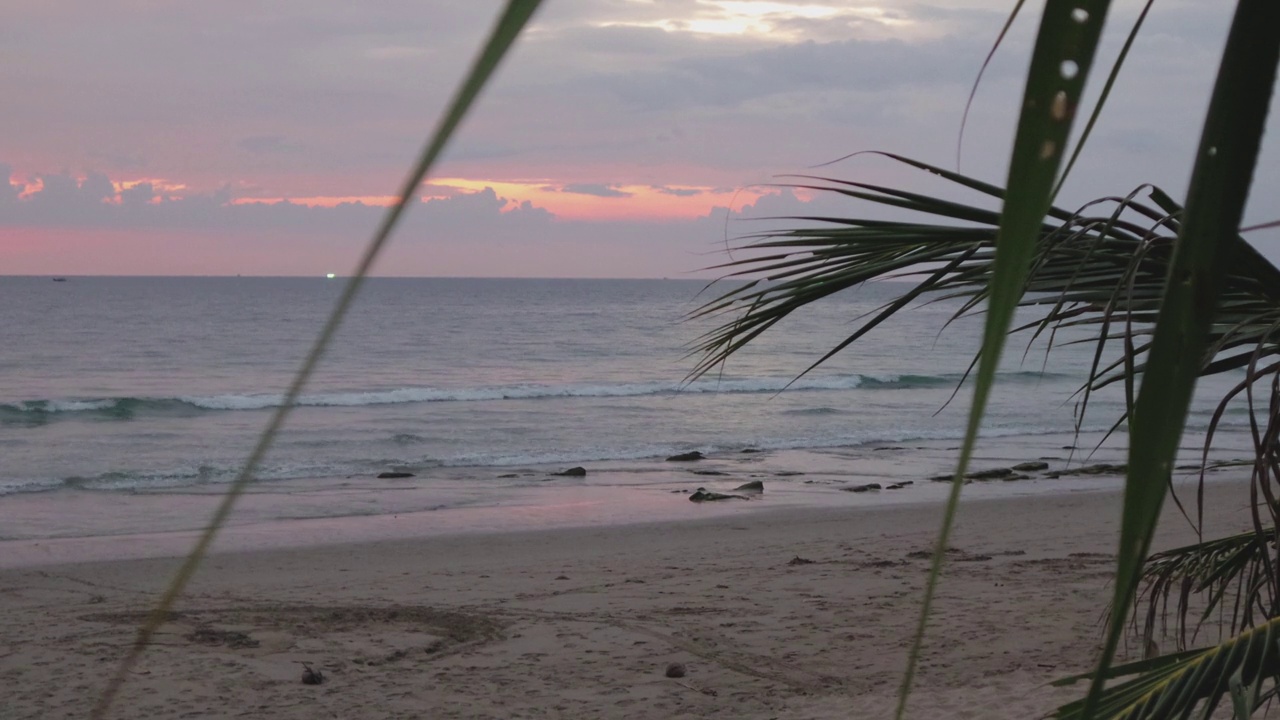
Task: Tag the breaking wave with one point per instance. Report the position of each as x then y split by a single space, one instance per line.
125 408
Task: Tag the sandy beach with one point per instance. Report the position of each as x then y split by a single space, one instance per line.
788 613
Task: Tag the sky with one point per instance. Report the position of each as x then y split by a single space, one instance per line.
621 138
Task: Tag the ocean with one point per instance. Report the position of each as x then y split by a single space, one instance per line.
117 391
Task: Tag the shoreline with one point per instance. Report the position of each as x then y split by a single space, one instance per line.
793 613
96 525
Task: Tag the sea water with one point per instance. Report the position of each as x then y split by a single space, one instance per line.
117 388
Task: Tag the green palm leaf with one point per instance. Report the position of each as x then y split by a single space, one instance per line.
1100 268
1216 197
1175 686
1211 568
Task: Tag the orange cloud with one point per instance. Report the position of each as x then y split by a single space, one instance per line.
319 200
588 201
567 201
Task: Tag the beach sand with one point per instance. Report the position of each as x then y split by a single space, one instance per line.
788 613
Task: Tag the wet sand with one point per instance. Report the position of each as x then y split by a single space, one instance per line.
774 613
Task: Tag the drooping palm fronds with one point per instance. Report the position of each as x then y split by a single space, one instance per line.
1101 268
1238 566
1245 668
1188 296
1225 159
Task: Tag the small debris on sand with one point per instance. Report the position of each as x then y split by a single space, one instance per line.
311 676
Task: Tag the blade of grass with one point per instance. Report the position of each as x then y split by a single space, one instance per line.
508 28
1064 51
1216 197
1102 97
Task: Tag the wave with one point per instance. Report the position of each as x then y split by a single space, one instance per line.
125 408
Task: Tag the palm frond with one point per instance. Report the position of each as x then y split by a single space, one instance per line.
1200 263
1177 685
1102 266
1210 570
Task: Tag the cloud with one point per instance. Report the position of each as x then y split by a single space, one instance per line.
323 98
678 192
138 195
479 233
93 201
596 189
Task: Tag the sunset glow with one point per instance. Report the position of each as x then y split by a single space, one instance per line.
570 201
620 138
566 201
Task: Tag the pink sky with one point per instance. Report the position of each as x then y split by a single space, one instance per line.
243 138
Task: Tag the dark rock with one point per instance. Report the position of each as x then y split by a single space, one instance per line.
788 473
1031 466
394 475
1099 469
1105 469
1015 477
508 475
991 474
311 676
676 670
708 472
895 486
562 577
862 488
1053 475
753 486
704 495
750 450
1069 447
907 482
686 457
888 447
797 560
942 478
573 472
